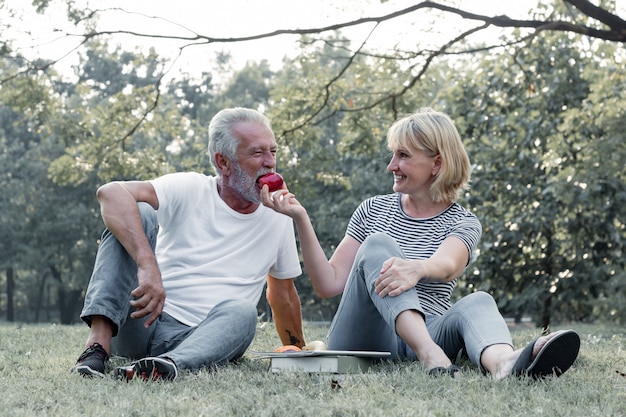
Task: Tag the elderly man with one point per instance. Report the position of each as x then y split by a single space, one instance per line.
184 260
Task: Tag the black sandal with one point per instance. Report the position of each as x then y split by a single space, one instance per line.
554 358
440 370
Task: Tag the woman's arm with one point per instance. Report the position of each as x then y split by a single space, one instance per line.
447 263
327 277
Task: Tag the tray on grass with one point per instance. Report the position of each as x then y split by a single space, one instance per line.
322 361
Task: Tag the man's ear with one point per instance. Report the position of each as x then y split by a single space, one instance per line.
223 163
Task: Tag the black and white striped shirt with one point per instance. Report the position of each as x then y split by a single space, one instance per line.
418 238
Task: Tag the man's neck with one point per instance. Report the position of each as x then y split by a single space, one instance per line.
234 200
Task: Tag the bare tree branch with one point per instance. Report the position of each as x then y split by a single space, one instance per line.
615 33
591 10
326 89
612 28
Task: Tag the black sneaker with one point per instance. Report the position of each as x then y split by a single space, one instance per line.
92 361
148 369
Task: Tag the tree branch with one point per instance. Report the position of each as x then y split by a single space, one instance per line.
617 33
598 13
327 91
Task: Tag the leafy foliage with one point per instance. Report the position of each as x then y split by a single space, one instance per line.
543 122
544 186
47 230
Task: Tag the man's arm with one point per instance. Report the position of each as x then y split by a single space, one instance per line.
118 205
284 300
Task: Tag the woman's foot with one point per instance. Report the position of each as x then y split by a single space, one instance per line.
508 362
431 356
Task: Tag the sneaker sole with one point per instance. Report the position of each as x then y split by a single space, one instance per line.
148 369
85 370
124 373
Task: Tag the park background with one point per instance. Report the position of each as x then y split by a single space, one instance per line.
539 100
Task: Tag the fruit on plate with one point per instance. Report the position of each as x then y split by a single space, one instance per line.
273 180
315 345
287 348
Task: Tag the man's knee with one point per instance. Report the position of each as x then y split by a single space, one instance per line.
243 310
148 216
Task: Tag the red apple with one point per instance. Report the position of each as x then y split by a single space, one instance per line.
273 180
287 348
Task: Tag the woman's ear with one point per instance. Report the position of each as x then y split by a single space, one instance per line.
436 165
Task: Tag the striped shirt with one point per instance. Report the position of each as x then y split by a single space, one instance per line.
419 238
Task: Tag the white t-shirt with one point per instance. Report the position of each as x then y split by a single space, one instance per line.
208 253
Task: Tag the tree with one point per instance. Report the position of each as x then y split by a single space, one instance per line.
59 141
528 104
548 249
545 251
40 235
591 181
558 16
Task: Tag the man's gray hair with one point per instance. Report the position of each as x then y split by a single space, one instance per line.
221 137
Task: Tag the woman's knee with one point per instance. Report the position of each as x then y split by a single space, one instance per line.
378 239
380 243
481 297
478 300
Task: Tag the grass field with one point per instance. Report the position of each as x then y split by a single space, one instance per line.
35 381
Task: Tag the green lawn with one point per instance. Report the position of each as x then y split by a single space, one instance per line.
35 381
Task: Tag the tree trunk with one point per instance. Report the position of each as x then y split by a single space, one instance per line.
10 295
40 297
545 320
67 300
547 303
69 303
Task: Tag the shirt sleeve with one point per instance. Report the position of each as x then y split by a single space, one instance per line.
469 230
287 263
357 226
171 188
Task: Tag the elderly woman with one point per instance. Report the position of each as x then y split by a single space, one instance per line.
399 260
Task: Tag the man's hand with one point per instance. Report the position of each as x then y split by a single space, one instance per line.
149 296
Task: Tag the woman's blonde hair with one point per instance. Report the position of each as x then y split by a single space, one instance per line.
434 133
